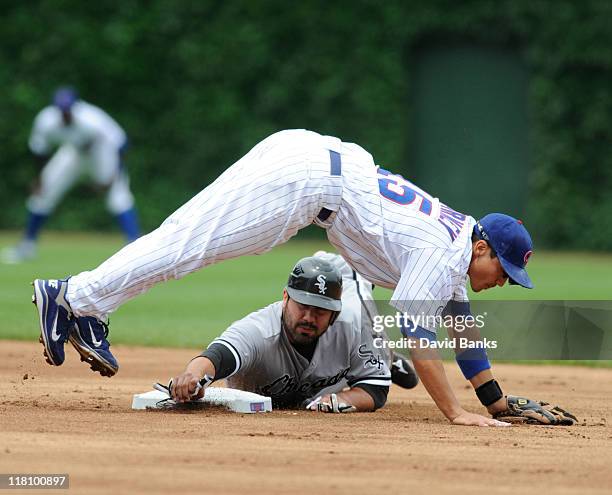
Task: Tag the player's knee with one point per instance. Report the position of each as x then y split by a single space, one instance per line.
40 204
105 178
119 203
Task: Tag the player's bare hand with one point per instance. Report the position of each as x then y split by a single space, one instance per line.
470 419
186 387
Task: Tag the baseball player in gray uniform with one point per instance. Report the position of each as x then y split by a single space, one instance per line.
300 351
71 138
390 231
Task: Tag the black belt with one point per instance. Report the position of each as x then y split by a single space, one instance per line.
335 169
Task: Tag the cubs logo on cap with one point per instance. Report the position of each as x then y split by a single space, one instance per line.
510 240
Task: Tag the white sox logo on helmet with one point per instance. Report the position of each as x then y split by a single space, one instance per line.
321 284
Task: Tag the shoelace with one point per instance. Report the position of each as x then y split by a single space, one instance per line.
105 325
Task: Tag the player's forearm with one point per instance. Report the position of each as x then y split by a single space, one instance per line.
359 398
435 382
201 366
482 378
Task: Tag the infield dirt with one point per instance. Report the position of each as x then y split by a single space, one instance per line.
70 420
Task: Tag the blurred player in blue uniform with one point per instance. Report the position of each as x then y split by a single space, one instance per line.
73 138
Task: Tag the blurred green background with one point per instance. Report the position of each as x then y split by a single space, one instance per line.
491 106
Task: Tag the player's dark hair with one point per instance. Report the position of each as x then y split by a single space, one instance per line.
475 238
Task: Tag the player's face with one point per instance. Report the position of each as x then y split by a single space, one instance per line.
485 272
304 324
66 117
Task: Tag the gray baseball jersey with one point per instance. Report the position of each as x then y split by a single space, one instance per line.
267 363
357 297
390 231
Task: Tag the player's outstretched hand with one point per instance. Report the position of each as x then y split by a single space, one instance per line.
186 387
329 404
523 410
471 419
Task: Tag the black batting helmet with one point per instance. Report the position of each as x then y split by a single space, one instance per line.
316 282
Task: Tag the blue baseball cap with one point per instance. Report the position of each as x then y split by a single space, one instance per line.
65 97
510 240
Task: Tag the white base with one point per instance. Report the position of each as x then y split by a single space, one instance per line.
235 400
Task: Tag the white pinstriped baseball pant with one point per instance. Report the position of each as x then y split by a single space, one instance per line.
262 200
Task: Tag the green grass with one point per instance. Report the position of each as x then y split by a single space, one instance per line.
191 311
562 276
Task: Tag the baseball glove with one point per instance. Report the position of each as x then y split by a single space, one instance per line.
522 410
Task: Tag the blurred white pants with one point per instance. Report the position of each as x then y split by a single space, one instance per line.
101 164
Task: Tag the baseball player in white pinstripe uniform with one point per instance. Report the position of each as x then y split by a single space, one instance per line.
301 351
72 138
390 231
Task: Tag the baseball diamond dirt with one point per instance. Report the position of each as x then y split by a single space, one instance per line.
58 420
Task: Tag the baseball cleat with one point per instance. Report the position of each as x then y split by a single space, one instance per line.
403 373
55 317
89 338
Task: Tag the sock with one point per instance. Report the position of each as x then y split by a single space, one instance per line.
128 221
35 223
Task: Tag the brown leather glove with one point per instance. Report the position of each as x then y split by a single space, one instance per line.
522 410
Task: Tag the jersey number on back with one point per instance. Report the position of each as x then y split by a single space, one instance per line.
397 189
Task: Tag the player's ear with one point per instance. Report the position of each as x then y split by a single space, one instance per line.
480 247
285 297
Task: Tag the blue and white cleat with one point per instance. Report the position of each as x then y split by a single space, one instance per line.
88 337
55 317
